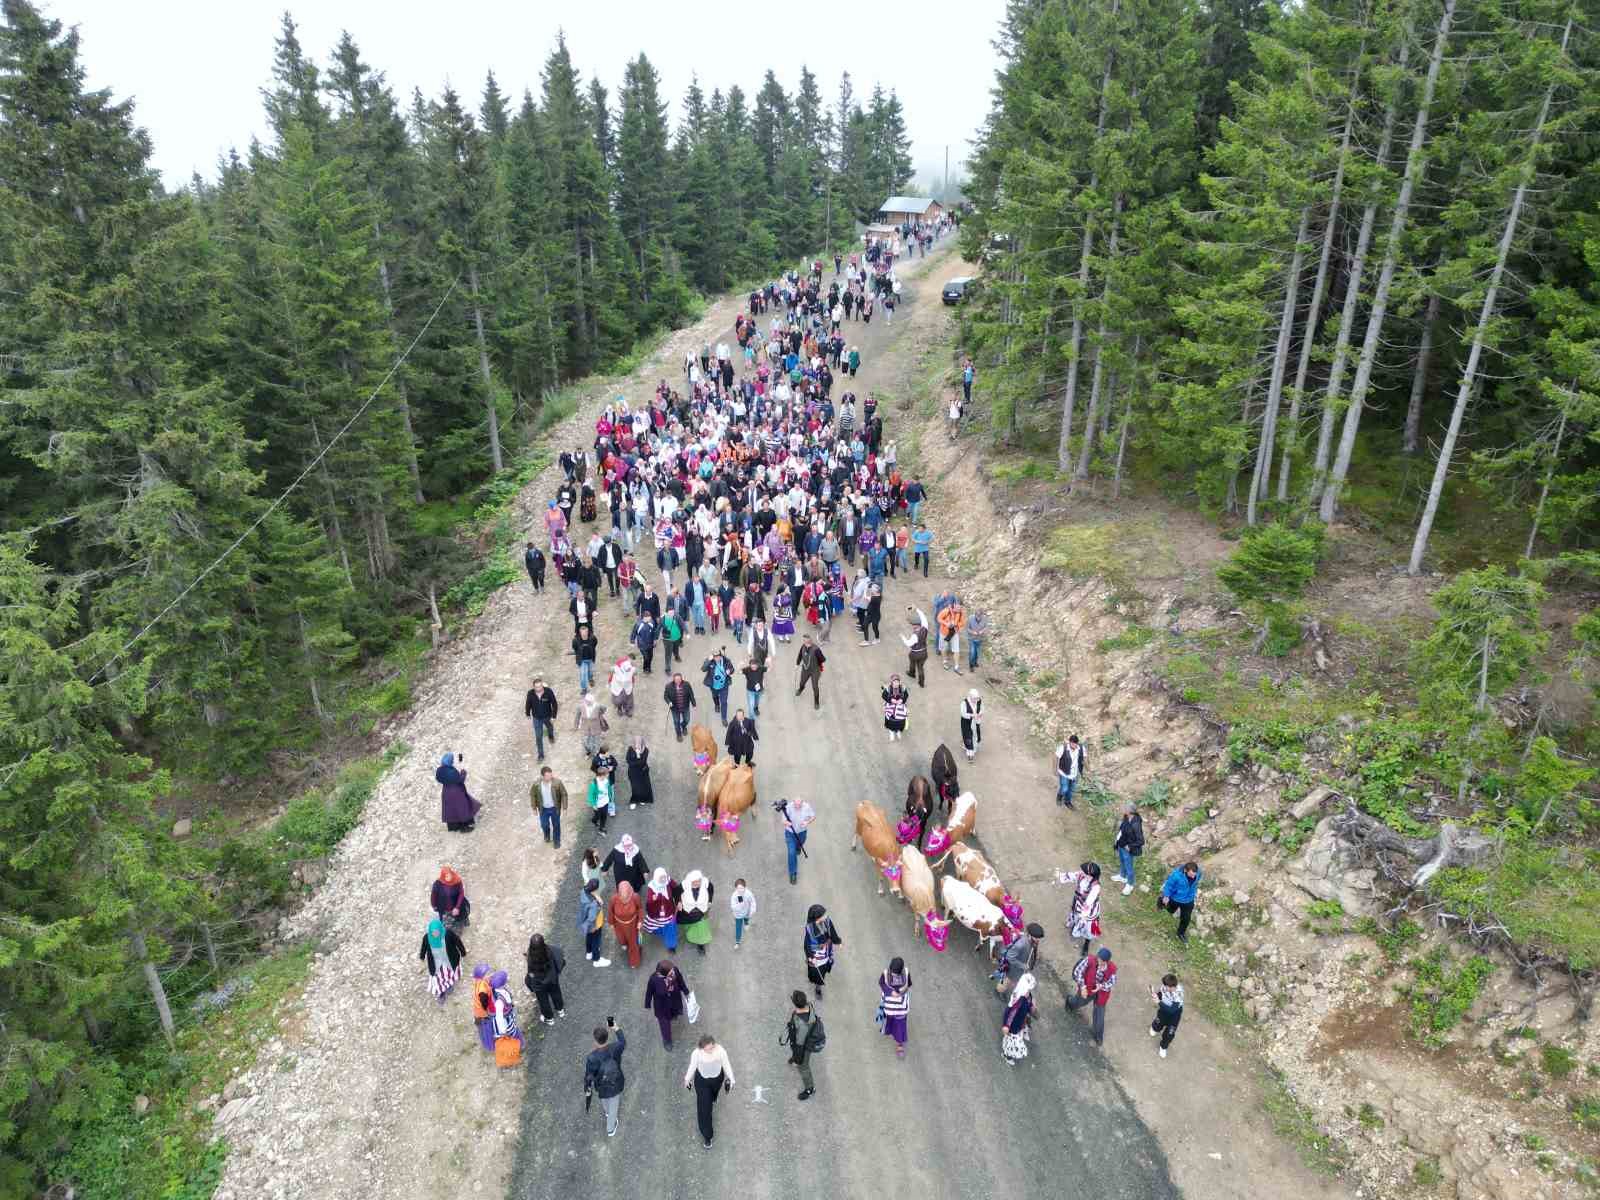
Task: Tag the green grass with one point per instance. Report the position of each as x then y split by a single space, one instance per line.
1295 1123
1585 1110
1134 637
167 1152
1546 897
1425 1173
1442 994
1019 469
1393 940
1558 1061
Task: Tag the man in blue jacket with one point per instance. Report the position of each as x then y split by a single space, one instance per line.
1178 893
602 1072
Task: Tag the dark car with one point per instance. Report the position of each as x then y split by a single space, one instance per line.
958 289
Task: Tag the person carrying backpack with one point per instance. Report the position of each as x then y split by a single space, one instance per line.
602 1072
804 1036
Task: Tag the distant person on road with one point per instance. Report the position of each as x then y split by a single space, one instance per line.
626 863
549 799
977 631
1083 910
679 697
1095 977
663 996
1178 895
742 738
742 904
602 1072
589 721
533 559
894 984
661 908
709 1075
626 915
799 1036
972 723
441 953
448 899
1014 1025
592 922
1169 1010
540 708
810 660
1070 763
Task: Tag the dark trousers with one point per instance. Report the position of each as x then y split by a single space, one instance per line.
591 943
914 668
1166 1024
1183 910
550 1001
543 728
680 721
647 653
920 558
673 652
816 698
550 824
537 579
611 582
1098 1027
706 1092
871 624
600 815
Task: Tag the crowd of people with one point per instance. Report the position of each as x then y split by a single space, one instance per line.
770 500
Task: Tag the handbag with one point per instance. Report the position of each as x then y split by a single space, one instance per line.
691 1008
879 1018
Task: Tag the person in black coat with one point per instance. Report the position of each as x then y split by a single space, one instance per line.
543 978
640 789
533 559
1129 845
627 865
742 739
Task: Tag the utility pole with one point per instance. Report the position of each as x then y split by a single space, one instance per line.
947 175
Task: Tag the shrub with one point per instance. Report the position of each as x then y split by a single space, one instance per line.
1273 564
1545 896
1585 1111
1559 1062
1441 996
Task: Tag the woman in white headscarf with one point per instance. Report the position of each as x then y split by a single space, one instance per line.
972 722
694 909
1014 1025
661 908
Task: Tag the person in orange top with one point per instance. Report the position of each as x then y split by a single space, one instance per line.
625 913
952 620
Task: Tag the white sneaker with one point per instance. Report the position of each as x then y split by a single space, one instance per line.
1128 891
1118 879
1155 1033
631 807
1163 1054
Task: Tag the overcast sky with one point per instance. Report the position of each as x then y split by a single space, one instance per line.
195 69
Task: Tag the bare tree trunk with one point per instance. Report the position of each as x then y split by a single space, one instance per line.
1127 418
1280 366
1098 377
1352 297
399 381
1469 376
1544 492
333 505
1391 259
1419 379
1069 397
1318 290
210 944
152 979
483 369
311 674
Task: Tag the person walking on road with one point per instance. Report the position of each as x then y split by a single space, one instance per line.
742 738
602 1072
1083 911
540 707
797 818
977 631
1095 978
709 1076
640 789
1014 1025
626 915
820 939
1178 895
718 678
590 723
533 559
592 922
742 904
584 648
755 675
602 797
1129 845
543 979
680 699
810 660
917 652
621 685
895 708
1169 1010
1019 958
661 908
972 723
694 910
664 994
549 799
457 807
626 863
1070 763
895 986
799 1036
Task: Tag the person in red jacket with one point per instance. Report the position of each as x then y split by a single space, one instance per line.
1095 978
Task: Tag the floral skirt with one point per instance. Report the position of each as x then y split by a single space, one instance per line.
1015 1045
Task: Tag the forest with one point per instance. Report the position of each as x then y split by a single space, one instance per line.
1328 274
244 428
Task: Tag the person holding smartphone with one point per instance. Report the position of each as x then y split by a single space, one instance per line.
602 1072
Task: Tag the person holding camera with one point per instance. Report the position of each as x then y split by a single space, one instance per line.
602 1072
801 1035
797 817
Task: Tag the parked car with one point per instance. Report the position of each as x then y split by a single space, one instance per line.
958 289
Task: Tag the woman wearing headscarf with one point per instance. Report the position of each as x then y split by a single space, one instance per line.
663 996
1014 1025
441 953
457 809
820 939
895 701
972 722
661 908
591 922
483 1006
507 1037
1083 914
543 978
626 863
895 985
626 914
449 899
640 789
694 909
621 684
590 722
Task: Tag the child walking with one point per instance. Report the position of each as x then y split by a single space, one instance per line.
1169 1010
743 904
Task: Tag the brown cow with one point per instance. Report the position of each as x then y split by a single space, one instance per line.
971 867
738 796
875 833
920 799
964 903
704 746
710 789
916 884
946 785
